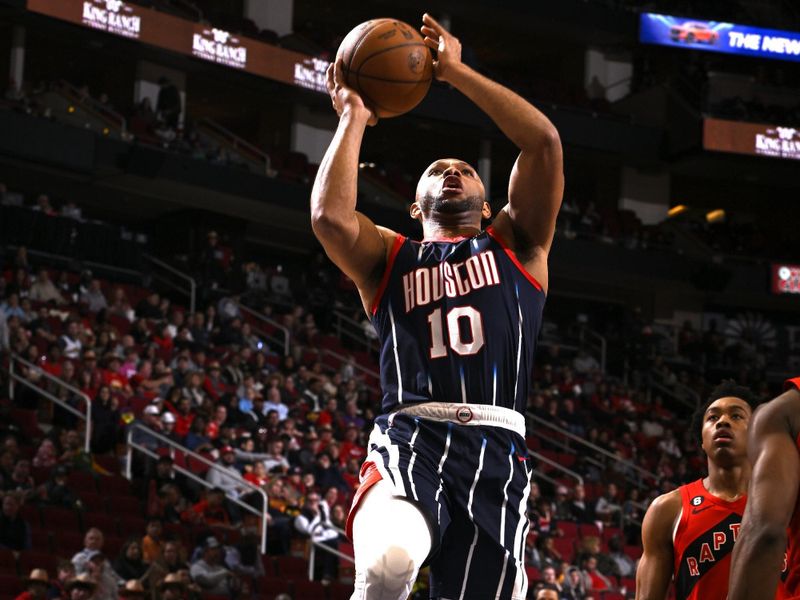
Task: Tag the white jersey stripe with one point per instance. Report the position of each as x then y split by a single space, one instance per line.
396 357
439 472
411 462
469 511
519 345
502 575
521 578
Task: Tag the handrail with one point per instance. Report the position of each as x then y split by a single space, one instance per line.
238 143
173 445
192 292
552 463
356 366
360 337
312 556
287 335
594 447
60 382
103 111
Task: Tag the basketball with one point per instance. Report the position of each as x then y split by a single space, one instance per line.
387 62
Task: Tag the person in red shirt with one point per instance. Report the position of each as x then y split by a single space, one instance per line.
36 585
214 385
773 505
183 416
351 446
689 534
210 511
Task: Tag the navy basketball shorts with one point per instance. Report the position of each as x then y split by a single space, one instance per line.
466 467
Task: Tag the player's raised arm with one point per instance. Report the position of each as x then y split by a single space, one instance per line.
537 180
351 240
656 566
772 495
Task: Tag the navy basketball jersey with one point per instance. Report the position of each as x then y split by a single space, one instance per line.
457 321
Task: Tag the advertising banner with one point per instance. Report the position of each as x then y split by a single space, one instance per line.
716 36
785 279
756 139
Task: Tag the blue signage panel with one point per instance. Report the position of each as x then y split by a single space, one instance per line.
715 36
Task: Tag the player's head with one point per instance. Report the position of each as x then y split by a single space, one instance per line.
450 191
546 592
721 422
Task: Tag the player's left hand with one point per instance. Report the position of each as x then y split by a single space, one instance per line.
447 46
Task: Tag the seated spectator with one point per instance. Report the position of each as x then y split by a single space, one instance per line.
92 544
152 542
210 573
120 305
132 589
129 563
597 582
21 482
65 571
15 532
607 507
327 474
150 308
581 510
227 477
93 297
43 289
623 566
101 572
56 490
210 511
314 522
106 429
172 587
575 585
70 343
81 587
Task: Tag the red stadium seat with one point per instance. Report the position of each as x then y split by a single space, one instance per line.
105 523
132 526
115 485
26 420
292 567
568 528
8 562
565 547
533 574
55 518
634 552
340 591
112 545
82 481
30 512
67 543
10 586
31 559
40 540
125 505
93 503
309 590
588 530
107 463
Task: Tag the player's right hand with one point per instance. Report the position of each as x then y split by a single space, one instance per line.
344 97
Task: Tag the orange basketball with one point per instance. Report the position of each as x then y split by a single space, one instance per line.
388 64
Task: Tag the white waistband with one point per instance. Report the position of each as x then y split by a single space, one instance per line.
466 414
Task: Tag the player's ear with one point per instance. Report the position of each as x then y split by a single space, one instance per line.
486 211
415 211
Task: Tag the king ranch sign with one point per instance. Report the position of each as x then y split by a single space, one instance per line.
785 279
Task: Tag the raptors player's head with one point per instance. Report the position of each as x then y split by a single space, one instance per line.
721 423
450 192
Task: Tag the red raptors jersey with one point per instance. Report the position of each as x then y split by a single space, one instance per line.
703 543
793 566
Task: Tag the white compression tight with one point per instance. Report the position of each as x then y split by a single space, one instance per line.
391 539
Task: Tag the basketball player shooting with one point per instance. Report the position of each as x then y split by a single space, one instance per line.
689 533
458 314
759 555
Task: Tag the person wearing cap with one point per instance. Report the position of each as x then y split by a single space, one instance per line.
81 587
36 585
226 476
210 573
171 587
93 542
168 427
133 588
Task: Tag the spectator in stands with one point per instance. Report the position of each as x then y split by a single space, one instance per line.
43 290
81 587
170 504
46 454
56 490
150 307
551 579
210 511
623 566
92 544
101 572
170 560
214 386
105 421
132 589
575 585
210 573
172 587
11 308
152 542
314 522
65 571
597 582
129 563
94 297
327 474
607 507
70 343
226 477
581 510
120 306
276 461
15 532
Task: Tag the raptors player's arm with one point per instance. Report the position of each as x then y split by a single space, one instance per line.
536 186
771 498
657 564
352 241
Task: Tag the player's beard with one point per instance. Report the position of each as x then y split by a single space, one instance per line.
442 204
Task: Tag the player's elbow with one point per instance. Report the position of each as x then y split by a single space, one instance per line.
324 223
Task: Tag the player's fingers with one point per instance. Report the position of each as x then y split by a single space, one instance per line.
429 31
431 22
337 71
432 43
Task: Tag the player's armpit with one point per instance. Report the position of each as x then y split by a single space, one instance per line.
772 495
656 566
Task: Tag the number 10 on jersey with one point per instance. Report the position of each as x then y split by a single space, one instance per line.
454 318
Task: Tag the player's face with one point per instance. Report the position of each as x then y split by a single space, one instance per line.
725 428
450 186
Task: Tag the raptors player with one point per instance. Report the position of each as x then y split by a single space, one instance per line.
458 314
688 534
773 504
